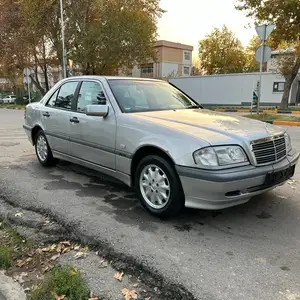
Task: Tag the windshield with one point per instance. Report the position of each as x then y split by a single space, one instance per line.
142 95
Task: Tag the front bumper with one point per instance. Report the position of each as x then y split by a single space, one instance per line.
205 189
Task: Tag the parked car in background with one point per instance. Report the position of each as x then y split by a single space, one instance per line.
10 99
153 137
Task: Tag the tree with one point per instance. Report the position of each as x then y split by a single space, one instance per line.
286 16
251 64
101 36
221 52
113 34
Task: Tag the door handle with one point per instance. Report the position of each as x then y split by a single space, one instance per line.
74 120
46 114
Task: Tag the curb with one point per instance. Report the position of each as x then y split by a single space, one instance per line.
285 123
282 123
10 289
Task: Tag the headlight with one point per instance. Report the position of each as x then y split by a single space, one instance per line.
220 156
288 142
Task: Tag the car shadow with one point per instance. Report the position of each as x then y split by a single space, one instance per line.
107 195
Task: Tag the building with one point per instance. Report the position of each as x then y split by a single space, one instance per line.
237 89
172 60
272 65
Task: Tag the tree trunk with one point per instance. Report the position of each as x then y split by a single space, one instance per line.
286 94
37 84
288 84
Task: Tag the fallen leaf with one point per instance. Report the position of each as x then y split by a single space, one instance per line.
76 248
59 248
66 243
119 276
29 259
20 263
55 257
129 294
291 181
53 247
281 197
80 255
61 297
66 250
95 298
19 214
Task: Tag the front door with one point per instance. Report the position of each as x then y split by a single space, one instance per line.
56 117
93 139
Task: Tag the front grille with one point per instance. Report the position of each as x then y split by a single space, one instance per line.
269 150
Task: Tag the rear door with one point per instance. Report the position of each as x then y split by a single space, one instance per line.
93 139
56 117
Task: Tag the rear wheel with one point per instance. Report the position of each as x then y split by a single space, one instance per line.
43 151
158 186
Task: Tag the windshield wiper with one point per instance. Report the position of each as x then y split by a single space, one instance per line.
194 107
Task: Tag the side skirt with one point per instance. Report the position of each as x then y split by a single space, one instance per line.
125 178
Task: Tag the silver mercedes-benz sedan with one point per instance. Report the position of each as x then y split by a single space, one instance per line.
153 137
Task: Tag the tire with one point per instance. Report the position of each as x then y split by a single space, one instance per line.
43 151
164 196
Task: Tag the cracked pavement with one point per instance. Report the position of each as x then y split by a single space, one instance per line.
245 252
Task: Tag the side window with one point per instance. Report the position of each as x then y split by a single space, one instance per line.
52 100
63 97
91 93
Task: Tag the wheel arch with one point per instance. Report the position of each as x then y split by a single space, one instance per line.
34 132
145 151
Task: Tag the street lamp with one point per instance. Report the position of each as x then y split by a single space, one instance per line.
63 40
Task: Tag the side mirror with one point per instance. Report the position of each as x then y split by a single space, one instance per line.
97 110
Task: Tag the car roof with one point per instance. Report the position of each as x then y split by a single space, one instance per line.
111 78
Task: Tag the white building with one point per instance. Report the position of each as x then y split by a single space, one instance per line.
237 89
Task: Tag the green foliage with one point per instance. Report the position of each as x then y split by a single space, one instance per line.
5 258
62 281
221 52
101 36
251 64
285 14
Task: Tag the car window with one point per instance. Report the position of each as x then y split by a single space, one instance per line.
91 93
139 95
64 96
52 100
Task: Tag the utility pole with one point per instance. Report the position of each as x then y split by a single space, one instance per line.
63 40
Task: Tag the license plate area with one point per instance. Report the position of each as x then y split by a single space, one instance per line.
279 176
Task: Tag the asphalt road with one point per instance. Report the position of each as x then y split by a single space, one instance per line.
246 252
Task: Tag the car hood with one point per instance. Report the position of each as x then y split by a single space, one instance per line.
213 127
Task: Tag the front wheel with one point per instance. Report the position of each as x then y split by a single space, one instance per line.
43 151
158 186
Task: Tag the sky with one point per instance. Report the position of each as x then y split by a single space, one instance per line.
188 21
